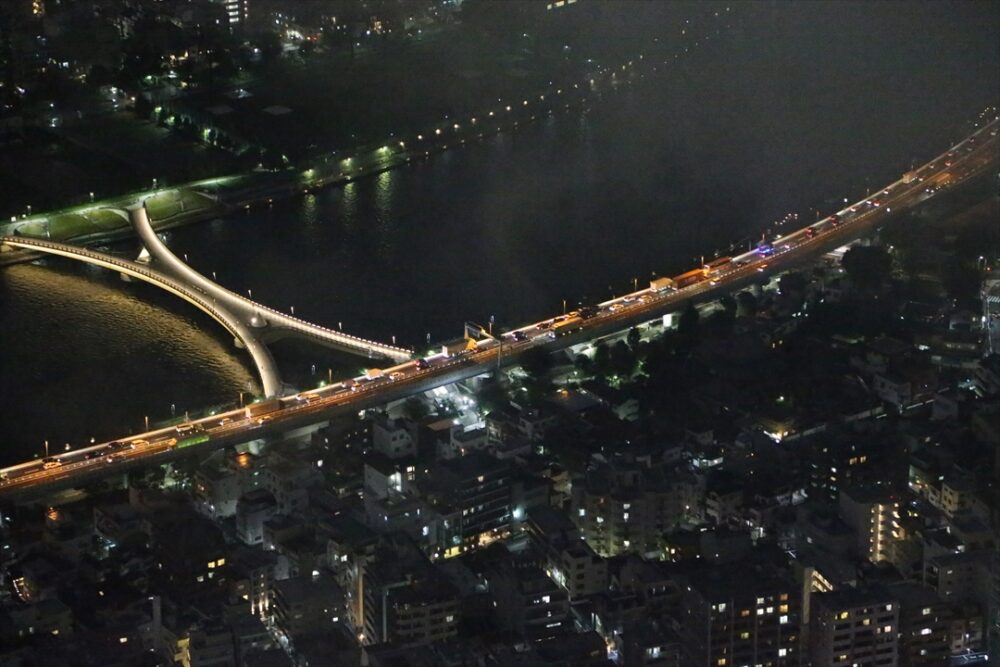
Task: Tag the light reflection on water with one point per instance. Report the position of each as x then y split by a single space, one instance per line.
573 207
84 354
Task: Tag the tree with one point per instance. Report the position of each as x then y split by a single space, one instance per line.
623 359
269 43
728 304
100 75
633 339
747 304
962 281
415 409
536 363
492 395
720 323
143 108
584 364
868 267
688 323
793 283
602 360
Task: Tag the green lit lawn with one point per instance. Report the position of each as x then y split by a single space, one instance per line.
67 226
168 204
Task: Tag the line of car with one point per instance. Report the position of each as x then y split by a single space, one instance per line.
545 330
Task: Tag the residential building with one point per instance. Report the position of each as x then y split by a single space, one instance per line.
873 514
741 614
854 628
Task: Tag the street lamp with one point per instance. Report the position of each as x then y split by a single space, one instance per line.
147 422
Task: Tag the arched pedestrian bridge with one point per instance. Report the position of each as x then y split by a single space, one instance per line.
251 324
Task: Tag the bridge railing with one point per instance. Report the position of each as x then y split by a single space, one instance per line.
148 234
128 267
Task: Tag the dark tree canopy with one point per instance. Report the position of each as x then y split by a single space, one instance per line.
747 304
536 363
415 409
868 267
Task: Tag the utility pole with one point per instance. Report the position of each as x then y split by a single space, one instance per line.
499 355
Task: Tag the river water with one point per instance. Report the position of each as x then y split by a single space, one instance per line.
575 207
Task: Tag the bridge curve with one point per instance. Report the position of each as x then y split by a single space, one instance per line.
267 369
255 314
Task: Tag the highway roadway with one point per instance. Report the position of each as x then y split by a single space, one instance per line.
974 155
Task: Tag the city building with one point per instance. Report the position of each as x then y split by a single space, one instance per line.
306 605
873 514
850 627
741 614
475 492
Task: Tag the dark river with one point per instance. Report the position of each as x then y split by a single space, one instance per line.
576 207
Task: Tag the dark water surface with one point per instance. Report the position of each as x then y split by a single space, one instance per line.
573 207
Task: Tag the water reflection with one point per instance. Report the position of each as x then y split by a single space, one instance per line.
85 354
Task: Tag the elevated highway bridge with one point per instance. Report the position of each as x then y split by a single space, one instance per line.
977 154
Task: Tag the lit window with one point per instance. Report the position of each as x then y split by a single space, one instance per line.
782 652
783 619
925 631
